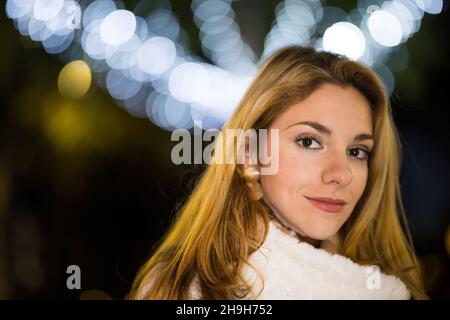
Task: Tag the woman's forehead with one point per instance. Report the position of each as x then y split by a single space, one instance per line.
332 106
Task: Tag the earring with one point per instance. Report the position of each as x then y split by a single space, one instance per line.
251 173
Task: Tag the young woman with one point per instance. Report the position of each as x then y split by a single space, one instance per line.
328 224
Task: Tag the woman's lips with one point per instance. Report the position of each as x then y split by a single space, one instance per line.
327 206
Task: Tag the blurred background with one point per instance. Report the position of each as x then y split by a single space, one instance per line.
91 90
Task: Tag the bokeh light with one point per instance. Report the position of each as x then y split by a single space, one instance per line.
431 6
66 126
118 27
120 87
140 56
47 9
184 87
74 80
295 23
385 28
19 8
346 39
95 294
156 55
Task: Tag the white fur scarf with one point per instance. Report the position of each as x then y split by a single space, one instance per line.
296 270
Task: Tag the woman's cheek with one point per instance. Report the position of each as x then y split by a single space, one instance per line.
362 182
299 162
295 174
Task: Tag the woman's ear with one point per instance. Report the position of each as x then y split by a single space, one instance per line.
250 168
249 171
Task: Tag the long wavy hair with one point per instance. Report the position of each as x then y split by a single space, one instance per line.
222 222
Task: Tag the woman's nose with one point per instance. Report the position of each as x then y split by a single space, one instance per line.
337 170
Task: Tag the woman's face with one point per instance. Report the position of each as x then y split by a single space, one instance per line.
323 149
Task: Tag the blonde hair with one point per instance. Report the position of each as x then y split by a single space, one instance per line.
222 223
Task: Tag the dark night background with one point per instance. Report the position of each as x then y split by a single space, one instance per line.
100 196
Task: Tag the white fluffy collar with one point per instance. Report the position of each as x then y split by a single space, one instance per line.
296 270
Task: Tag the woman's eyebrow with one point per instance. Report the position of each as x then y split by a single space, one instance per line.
327 131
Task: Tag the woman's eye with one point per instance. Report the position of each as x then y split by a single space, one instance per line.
312 143
308 142
359 153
